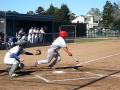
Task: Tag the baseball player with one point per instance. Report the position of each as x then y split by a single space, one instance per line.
20 34
36 35
53 51
33 35
30 35
41 35
12 58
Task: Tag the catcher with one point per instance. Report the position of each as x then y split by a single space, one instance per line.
12 58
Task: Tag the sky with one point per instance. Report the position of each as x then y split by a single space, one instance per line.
78 7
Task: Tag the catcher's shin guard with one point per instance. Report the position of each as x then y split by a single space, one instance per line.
13 69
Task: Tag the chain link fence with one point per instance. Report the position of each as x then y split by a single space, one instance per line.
106 33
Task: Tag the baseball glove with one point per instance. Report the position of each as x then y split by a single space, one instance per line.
38 52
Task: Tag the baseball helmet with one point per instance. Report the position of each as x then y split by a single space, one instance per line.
63 34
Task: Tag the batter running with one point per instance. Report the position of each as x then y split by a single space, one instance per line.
53 51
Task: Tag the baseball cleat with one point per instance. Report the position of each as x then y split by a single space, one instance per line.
53 68
13 75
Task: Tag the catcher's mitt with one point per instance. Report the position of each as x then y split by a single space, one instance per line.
38 52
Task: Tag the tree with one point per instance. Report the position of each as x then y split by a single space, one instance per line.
57 15
40 10
30 13
107 14
62 14
15 12
94 12
116 17
50 10
116 12
72 16
65 13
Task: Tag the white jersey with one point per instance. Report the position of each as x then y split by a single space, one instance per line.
42 31
31 31
53 51
59 43
30 35
12 50
8 57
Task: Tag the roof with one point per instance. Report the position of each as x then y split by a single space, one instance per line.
18 16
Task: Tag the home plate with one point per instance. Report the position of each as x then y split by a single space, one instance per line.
58 72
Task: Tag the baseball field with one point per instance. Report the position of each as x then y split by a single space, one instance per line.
98 69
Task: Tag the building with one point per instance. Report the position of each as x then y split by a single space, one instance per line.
91 21
10 23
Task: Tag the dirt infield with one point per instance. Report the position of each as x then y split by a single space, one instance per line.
98 69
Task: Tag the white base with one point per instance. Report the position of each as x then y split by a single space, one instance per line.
58 72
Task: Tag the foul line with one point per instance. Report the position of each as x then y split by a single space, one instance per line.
48 81
100 75
40 77
98 59
116 76
74 73
72 79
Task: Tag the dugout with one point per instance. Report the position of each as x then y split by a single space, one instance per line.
11 23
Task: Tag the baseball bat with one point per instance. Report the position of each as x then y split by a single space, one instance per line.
75 59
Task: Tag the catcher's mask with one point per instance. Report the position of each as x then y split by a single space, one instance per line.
21 43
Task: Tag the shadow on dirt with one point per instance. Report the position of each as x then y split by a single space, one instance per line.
2 71
96 80
56 68
20 73
25 73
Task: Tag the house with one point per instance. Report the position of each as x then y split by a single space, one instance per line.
91 21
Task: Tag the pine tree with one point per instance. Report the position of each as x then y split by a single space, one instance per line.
107 14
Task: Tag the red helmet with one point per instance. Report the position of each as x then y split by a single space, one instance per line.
63 34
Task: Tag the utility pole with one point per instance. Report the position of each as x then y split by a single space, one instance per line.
5 36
